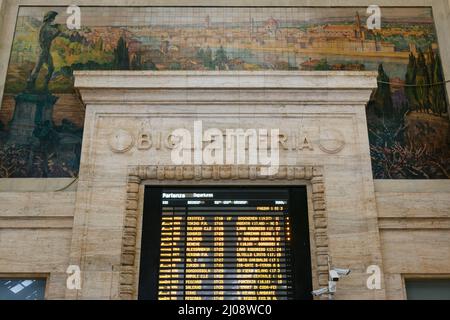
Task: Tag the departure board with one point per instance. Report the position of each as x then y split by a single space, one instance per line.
226 245
237 243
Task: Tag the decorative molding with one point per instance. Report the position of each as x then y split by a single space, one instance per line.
306 80
122 87
147 173
121 141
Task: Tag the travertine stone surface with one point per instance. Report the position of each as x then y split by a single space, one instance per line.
37 184
35 236
414 222
315 103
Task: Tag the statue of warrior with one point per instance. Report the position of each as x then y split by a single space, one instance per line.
47 33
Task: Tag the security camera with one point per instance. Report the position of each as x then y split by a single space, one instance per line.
332 287
320 292
336 273
342 272
334 276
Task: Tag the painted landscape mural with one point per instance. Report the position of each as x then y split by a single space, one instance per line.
41 119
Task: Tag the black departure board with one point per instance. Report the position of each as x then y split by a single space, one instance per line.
223 244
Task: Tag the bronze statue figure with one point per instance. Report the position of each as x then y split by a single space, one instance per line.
47 33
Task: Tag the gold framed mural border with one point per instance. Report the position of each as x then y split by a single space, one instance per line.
313 175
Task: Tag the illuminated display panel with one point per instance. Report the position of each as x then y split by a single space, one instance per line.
221 244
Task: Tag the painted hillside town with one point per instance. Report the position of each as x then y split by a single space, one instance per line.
409 130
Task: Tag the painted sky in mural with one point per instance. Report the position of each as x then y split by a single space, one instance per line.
40 133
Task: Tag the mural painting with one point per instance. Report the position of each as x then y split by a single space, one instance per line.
41 119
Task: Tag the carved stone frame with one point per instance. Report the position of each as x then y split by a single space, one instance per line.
312 175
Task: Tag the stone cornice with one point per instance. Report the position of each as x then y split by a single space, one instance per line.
311 80
149 87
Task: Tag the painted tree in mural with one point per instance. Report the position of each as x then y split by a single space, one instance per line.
424 83
221 59
438 99
121 55
382 100
206 57
136 61
410 81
